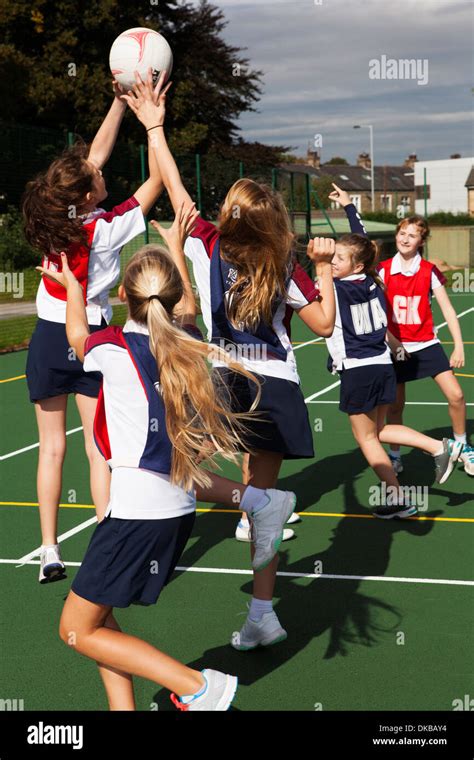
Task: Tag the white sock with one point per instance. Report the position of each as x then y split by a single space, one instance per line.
258 608
460 438
49 546
395 454
253 500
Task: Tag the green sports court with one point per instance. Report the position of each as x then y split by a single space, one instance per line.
383 624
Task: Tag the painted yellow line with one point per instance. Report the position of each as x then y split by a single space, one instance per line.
237 512
11 379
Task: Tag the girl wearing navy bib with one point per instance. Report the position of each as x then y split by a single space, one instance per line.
250 285
360 354
62 213
410 283
158 420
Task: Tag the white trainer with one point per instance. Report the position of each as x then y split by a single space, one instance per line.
217 694
268 524
243 533
265 632
396 463
52 568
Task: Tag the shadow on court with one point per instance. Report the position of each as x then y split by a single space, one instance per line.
312 608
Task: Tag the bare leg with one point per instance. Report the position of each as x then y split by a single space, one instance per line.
51 419
395 411
405 436
451 389
364 428
83 626
118 685
98 467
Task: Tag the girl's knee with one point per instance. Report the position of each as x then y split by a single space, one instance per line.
456 397
53 448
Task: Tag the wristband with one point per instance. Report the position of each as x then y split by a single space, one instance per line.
155 127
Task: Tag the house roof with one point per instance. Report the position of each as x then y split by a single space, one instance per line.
356 178
470 179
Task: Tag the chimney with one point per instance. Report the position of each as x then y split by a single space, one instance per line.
410 161
455 155
313 158
363 159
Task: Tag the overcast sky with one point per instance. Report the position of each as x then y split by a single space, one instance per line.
315 57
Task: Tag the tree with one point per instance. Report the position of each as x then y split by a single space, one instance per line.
54 66
337 160
322 186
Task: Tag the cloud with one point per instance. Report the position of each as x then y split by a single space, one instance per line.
315 59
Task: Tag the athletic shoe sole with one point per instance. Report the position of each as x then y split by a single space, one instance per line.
53 573
401 515
453 458
227 698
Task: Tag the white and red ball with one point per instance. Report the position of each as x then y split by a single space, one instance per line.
138 49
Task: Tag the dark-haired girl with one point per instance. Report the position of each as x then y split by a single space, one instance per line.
360 354
61 209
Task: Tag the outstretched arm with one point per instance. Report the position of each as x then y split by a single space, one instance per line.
104 141
343 199
185 310
149 107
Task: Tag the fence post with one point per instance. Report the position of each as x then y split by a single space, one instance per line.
308 205
292 191
241 169
274 178
70 139
143 176
198 182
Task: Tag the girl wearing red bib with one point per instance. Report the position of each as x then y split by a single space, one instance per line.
62 213
410 283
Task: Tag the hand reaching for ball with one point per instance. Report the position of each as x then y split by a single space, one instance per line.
146 102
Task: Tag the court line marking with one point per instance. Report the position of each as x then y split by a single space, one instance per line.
407 403
222 510
283 574
62 537
34 445
462 314
82 526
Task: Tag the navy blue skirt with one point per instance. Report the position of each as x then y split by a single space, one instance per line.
129 561
428 362
364 388
282 425
52 370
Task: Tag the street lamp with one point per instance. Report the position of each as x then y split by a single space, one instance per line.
372 188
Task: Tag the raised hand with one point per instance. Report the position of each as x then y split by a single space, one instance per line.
148 104
339 196
182 226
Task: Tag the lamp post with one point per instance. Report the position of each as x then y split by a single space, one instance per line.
372 183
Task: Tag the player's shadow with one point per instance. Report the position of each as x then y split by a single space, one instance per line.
360 546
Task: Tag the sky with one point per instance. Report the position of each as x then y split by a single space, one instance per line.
316 57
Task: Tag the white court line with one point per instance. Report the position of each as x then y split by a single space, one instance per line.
86 524
308 343
407 403
24 560
462 314
236 571
34 445
320 393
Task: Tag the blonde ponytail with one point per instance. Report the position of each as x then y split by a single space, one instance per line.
199 421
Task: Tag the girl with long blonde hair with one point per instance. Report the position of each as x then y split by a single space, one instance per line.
158 421
250 284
